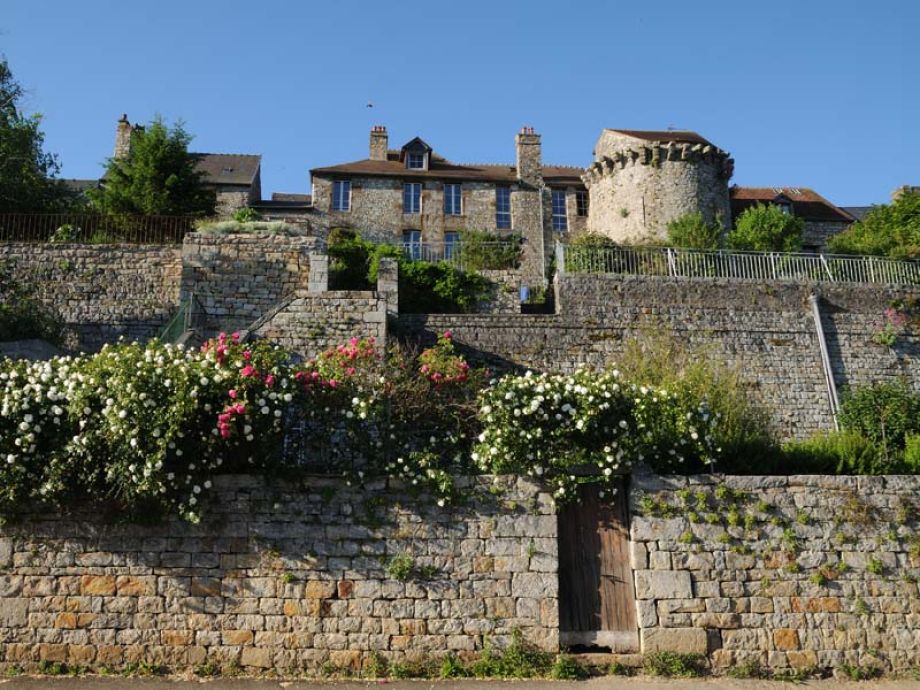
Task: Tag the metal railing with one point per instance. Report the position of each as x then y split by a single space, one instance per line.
89 228
476 256
763 266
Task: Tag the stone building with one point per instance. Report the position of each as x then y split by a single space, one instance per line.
822 218
642 180
416 196
235 177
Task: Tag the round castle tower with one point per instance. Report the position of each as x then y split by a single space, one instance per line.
641 181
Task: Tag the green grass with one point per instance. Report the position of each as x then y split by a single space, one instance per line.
674 664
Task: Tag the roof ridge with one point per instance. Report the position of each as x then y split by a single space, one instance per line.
222 153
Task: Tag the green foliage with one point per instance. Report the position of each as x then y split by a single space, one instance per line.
401 567
568 668
158 177
22 315
766 228
883 413
875 566
750 668
27 173
692 232
858 673
742 434
590 240
349 260
674 664
489 251
887 230
452 667
843 452
246 215
517 660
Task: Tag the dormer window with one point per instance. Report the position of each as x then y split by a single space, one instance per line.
784 203
415 161
415 155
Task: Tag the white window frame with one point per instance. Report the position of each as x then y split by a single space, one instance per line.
413 245
422 162
498 225
347 207
417 211
458 209
560 220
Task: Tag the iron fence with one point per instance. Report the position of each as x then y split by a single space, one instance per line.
763 266
89 228
471 256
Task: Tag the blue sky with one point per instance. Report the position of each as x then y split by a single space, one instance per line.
810 93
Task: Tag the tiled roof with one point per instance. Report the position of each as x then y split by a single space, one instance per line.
858 212
445 170
678 135
806 203
228 168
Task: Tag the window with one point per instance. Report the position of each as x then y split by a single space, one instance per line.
503 207
415 161
451 245
560 220
341 195
412 243
785 207
581 203
412 197
452 200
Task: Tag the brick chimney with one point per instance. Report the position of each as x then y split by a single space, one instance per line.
529 156
379 143
123 133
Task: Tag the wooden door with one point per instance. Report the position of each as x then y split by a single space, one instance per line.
597 600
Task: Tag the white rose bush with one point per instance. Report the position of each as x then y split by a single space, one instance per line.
144 428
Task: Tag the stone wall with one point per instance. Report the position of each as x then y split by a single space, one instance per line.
816 234
237 279
766 332
101 292
282 576
824 574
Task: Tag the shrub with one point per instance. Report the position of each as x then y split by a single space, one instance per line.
887 230
489 251
885 414
517 660
766 228
842 452
246 215
568 668
349 260
692 232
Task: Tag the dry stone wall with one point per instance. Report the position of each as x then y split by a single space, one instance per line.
767 332
790 572
101 292
282 576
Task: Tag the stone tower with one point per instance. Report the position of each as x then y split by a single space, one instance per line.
640 181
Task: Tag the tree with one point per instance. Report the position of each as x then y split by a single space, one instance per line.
27 173
887 230
692 232
158 177
767 228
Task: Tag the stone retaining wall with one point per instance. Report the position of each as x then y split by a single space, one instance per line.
282 576
101 292
801 571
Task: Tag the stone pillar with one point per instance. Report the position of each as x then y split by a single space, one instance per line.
529 156
388 284
319 273
379 143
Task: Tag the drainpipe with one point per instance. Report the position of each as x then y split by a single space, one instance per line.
825 361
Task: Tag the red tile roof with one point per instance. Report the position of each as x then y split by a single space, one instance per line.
806 203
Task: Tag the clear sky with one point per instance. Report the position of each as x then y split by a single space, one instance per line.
820 94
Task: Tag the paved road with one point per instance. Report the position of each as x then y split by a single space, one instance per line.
604 683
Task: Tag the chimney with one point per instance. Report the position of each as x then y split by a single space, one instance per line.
123 133
379 143
529 156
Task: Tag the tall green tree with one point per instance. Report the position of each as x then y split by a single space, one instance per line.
767 228
27 172
887 230
693 232
158 177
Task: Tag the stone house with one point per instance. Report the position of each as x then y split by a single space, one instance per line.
416 196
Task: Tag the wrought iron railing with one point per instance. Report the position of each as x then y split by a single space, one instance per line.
763 266
473 256
89 228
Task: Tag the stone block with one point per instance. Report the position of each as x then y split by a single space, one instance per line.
785 639
663 584
102 585
14 613
682 640
256 657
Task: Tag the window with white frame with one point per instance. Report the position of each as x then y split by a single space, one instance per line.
412 243
341 195
560 219
452 200
412 197
451 245
503 207
581 203
415 161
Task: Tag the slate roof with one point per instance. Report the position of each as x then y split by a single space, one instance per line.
858 212
229 168
677 135
440 169
806 203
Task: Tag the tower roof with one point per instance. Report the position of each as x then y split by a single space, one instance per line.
681 135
